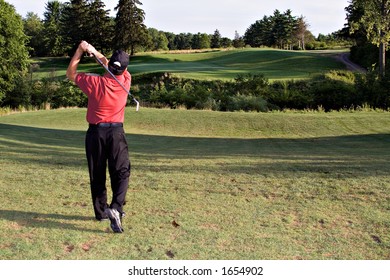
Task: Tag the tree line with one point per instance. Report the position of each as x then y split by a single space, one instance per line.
65 24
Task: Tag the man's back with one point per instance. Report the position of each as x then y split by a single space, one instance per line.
106 98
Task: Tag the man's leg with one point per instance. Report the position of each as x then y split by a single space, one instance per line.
119 167
96 156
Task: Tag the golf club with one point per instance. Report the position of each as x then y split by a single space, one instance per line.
112 75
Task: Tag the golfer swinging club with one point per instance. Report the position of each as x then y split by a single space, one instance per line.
105 140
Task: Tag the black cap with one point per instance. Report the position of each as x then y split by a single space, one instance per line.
118 62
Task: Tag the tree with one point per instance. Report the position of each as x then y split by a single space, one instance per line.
238 41
101 26
13 51
130 30
183 41
216 40
204 41
52 39
283 27
376 22
300 32
226 42
171 40
33 28
86 20
260 33
362 52
74 24
200 41
280 30
158 40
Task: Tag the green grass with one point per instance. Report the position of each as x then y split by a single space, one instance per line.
222 65
205 185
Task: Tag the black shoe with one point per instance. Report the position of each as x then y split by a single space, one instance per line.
115 218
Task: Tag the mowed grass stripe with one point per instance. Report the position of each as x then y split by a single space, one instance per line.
211 124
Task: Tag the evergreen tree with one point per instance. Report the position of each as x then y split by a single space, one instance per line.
101 26
13 51
280 30
52 39
75 25
130 30
87 20
216 40
283 27
260 33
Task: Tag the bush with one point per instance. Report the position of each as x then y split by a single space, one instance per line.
248 104
334 91
251 84
20 95
45 93
66 94
375 91
290 95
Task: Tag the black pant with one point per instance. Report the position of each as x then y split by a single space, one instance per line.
107 144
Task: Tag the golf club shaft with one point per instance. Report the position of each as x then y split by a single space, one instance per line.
115 78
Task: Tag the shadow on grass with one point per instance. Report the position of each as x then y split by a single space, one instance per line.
350 156
41 220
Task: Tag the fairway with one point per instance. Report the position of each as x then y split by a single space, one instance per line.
204 185
226 65
217 65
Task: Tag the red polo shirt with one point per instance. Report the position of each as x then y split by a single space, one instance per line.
106 98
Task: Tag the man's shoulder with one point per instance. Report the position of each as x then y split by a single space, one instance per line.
127 76
88 75
84 79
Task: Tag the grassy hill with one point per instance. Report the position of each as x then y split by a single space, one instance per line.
205 185
223 65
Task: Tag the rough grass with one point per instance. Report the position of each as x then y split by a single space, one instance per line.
205 185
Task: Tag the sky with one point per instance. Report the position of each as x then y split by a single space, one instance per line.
228 16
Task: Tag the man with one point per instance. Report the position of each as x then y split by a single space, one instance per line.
105 140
